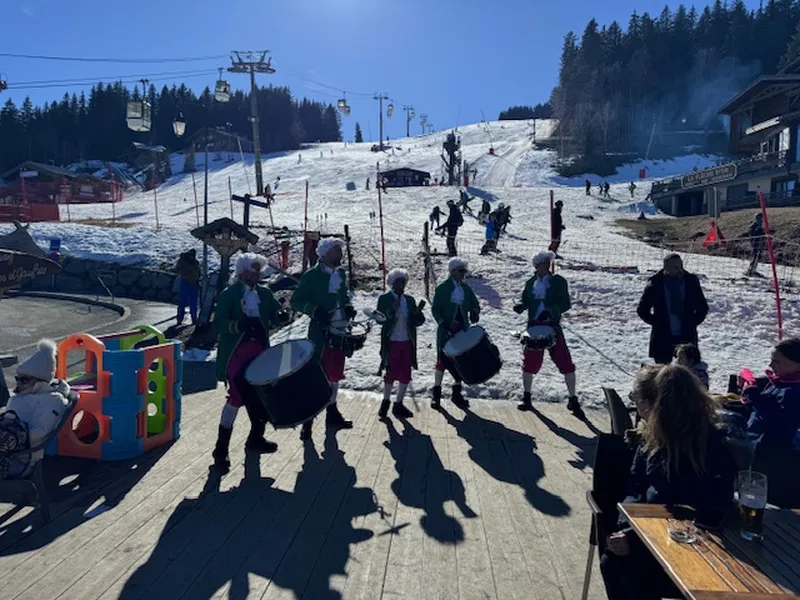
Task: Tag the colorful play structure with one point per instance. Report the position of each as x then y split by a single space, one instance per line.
129 394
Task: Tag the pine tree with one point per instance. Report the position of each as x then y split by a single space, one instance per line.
792 51
359 136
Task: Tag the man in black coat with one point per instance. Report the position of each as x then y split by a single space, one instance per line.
673 304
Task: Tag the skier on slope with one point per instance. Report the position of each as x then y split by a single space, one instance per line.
632 189
588 187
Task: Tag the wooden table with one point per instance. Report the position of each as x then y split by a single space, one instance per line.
724 566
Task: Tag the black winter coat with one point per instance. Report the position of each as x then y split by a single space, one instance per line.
652 310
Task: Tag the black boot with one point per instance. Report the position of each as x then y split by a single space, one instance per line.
256 442
575 408
401 412
220 454
258 423
334 418
384 410
436 402
305 431
526 402
458 398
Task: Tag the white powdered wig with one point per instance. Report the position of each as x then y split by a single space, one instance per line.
244 262
456 263
396 274
543 257
327 245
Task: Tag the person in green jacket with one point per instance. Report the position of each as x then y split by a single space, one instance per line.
322 295
398 341
455 307
546 298
244 315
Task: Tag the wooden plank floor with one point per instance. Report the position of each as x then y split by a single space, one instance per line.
487 503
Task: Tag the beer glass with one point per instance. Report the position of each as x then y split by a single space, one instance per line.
752 502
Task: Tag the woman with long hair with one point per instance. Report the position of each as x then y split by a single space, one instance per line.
681 459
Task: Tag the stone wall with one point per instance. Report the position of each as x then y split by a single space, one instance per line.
80 275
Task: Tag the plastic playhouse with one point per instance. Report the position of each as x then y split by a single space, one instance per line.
129 394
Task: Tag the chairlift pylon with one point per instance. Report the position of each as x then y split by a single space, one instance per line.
222 90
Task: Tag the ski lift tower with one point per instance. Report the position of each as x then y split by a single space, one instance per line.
252 63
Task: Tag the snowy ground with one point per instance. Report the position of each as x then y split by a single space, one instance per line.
606 271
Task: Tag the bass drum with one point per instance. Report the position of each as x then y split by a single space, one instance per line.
290 383
476 358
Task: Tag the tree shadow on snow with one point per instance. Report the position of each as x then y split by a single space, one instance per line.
508 456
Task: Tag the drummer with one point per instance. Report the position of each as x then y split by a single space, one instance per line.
454 307
546 298
398 341
322 295
245 313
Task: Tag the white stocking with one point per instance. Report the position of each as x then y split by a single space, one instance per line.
401 392
527 382
387 391
335 393
438 376
229 412
569 379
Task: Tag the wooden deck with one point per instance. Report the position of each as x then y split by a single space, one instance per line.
484 504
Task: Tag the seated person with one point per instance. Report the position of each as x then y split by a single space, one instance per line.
687 355
774 401
38 401
681 459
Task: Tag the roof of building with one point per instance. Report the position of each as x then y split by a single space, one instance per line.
401 169
30 165
760 87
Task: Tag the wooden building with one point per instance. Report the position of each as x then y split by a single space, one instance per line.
405 177
764 134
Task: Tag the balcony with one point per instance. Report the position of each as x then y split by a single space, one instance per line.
746 168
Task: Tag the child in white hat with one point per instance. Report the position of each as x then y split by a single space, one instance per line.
39 400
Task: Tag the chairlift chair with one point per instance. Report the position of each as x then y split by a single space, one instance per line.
138 115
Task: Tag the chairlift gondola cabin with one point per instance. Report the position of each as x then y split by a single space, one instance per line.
3 82
222 91
138 115
389 109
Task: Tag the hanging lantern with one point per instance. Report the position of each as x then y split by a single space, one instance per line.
179 125
138 115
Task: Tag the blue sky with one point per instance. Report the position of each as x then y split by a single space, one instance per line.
454 60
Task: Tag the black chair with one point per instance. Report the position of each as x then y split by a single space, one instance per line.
31 491
619 413
612 463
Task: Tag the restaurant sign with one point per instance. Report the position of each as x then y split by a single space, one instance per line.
17 268
710 176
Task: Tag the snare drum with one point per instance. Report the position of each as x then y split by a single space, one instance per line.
540 337
347 338
290 383
475 357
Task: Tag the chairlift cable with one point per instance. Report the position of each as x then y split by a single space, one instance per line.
114 60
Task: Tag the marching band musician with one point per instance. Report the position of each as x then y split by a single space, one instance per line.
546 298
322 295
244 315
398 341
455 307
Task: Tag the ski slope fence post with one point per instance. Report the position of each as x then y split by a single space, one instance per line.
350 282
113 196
305 217
771 250
196 205
552 230
274 232
230 195
426 257
380 214
155 192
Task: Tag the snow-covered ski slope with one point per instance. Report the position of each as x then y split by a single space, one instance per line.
606 270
